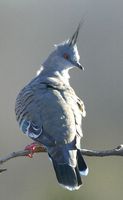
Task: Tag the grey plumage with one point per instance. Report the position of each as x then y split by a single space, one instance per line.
49 112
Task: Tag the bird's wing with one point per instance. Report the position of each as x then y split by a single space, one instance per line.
44 107
27 112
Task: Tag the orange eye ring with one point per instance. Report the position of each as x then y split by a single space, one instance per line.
66 56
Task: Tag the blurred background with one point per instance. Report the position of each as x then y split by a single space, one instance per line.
28 31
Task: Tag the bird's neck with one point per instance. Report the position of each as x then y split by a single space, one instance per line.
55 69
62 74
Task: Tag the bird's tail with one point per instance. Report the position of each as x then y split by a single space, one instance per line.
68 176
83 169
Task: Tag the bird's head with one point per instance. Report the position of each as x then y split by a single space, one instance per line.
65 56
67 52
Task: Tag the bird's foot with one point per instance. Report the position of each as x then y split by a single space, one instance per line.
32 148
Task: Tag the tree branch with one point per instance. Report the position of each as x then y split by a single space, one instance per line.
118 151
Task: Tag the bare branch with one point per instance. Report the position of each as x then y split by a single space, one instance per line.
38 149
118 151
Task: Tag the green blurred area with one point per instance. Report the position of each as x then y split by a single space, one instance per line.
28 30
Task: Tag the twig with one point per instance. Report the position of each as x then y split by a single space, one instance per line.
118 151
38 149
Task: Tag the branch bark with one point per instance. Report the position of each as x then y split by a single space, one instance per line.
118 151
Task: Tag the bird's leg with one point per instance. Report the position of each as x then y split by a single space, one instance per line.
35 148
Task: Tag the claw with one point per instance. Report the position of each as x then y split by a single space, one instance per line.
32 148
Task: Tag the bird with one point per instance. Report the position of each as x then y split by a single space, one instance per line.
50 113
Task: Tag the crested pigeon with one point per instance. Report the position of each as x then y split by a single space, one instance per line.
50 113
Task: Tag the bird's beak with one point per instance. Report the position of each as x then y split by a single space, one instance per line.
79 66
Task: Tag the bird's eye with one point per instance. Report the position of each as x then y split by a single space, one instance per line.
66 56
